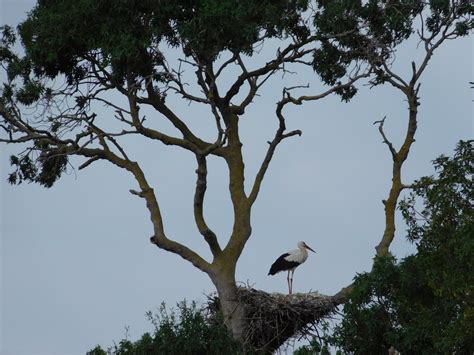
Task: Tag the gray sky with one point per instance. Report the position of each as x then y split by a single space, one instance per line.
77 265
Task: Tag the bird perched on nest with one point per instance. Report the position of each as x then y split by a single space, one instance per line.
289 262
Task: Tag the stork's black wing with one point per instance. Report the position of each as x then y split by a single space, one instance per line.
281 264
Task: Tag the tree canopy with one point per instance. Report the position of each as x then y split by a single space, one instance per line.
120 45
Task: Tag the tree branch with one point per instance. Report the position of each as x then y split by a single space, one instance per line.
385 140
160 239
137 123
201 186
270 66
410 89
88 162
226 63
181 90
252 81
397 186
157 103
71 147
280 135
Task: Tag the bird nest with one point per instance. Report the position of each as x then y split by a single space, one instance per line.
274 318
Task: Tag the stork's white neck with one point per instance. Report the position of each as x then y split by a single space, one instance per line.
298 255
304 251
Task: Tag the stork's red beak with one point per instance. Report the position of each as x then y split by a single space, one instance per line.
307 247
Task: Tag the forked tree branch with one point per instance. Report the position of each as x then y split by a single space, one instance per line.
445 30
154 134
253 88
398 158
410 88
280 135
154 100
189 141
157 103
288 54
159 238
385 140
71 147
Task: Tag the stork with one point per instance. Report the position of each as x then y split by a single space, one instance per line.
290 261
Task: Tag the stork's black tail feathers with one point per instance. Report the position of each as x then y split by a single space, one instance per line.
272 270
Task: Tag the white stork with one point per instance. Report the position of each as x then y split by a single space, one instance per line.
290 261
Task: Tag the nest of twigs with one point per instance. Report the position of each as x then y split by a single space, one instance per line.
274 318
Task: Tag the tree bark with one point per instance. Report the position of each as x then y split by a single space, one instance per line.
232 310
398 158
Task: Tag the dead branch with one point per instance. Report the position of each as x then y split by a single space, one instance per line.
385 140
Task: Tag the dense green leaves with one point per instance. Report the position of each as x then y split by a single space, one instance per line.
186 332
424 303
209 27
25 169
73 37
44 168
66 36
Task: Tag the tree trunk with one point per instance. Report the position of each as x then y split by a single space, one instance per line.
232 310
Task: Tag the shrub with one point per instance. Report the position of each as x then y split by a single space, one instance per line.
185 331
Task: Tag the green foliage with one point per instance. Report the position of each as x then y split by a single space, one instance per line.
75 37
374 28
97 351
41 163
314 348
29 93
63 36
111 44
424 303
317 345
46 169
24 169
188 332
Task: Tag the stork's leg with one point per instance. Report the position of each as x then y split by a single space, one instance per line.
291 280
288 281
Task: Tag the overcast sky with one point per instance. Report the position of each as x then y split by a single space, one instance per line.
77 265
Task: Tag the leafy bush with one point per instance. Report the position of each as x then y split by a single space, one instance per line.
188 332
